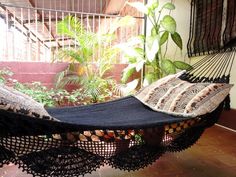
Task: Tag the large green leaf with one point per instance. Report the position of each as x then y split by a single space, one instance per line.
134 56
168 67
70 55
182 65
131 86
152 48
169 24
152 5
127 72
129 51
70 26
63 28
169 6
131 59
153 31
164 37
149 78
139 50
139 6
139 65
177 40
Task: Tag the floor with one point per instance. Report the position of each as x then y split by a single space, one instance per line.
214 155
227 119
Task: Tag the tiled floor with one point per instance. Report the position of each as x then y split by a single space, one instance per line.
214 155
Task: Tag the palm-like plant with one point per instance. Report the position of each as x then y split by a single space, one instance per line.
90 61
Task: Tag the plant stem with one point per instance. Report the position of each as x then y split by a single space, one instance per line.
159 16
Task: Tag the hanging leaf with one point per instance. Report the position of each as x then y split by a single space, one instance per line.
139 65
152 48
127 72
182 65
128 51
153 31
177 40
136 55
164 37
149 78
168 67
131 59
70 26
152 5
131 86
169 24
139 6
169 6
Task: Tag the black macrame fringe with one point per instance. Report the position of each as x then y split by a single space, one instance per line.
227 103
45 157
6 156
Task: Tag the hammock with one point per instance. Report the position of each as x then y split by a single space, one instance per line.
124 133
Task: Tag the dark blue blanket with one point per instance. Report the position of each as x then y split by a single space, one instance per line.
127 112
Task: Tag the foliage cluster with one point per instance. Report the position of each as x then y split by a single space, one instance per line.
4 73
151 55
91 60
48 97
93 57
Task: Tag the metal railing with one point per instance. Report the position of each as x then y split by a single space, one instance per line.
31 33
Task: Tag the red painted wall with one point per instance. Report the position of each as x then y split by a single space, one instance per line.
34 71
45 72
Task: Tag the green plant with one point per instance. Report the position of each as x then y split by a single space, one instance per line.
91 61
48 97
37 91
5 72
152 56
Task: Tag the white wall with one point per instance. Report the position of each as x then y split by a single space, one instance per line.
233 90
182 17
